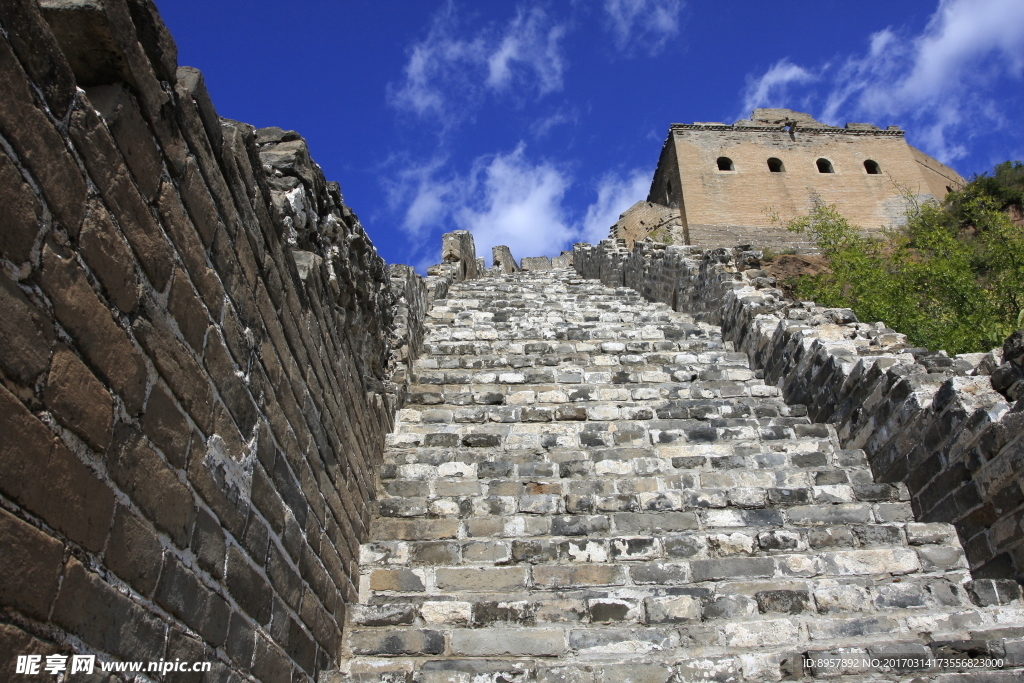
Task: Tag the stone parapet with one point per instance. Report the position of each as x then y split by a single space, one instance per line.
924 418
202 354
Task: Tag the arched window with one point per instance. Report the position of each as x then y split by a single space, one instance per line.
775 165
824 166
725 164
872 167
668 189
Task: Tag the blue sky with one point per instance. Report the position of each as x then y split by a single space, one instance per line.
534 124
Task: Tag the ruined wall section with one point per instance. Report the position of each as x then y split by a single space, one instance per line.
196 361
924 418
648 219
939 178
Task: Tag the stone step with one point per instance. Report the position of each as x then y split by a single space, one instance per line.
527 348
585 487
595 433
655 414
676 539
532 497
498 394
635 362
620 523
870 658
589 374
771 649
728 463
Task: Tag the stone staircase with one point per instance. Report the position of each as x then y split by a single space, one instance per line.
588 487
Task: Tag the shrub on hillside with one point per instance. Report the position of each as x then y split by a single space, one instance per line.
951 278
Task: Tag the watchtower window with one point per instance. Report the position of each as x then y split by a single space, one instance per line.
825 166
775 165
668 189
872 167
725 164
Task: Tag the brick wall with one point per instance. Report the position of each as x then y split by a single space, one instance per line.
196 372
748 203
924 418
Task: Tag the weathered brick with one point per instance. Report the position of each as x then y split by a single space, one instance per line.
152 485
732 567
207 476
558 576
192 86
108 171
851 628
103 344
134 140
14 642
269 663
39 52
38 145
155 39
166 426
232 389
45 477
289 490
26 336
102 46
134 551
255 539
390 614
508 642
22 212
301 647
396 642
182 594
78 400
187 311
284 578
854 562
199 204
104 618
178 368
241 641
484 579
209 543
401 580
320 624
190 248
105 251
185 648
29 566
250 590
266 499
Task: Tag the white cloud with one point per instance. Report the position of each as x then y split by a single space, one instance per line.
615 194
647 24
532 43
772 88
518 203
941 82
507 198
447 74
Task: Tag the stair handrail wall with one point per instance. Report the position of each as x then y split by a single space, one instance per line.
926 419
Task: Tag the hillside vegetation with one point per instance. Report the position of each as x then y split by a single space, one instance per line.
951 278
